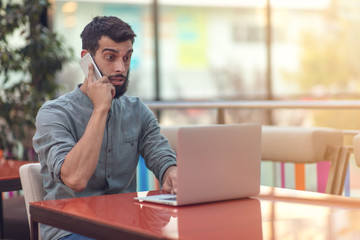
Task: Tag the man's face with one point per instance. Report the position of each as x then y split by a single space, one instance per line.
113 60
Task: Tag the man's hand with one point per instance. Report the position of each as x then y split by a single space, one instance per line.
101 91
170 180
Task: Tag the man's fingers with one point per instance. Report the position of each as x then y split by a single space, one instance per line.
113 91
170 180
170 185
91 73
173 186
174 189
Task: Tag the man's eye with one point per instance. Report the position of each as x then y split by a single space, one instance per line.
109 57
127 58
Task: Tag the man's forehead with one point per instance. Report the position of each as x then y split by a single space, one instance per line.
115 47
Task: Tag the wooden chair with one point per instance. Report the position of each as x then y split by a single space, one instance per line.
356 149
32 184
300 146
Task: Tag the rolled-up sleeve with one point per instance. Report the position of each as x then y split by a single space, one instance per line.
52 140
154 147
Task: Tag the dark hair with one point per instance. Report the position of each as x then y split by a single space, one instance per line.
112 27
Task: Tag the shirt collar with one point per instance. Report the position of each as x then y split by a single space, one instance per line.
81 96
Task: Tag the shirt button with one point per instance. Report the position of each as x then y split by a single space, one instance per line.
109 150
108 176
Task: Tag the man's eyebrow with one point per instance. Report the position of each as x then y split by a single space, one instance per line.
116 51
110 49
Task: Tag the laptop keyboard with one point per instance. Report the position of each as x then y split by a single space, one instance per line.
170 198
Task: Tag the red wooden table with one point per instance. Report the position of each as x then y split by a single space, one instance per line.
273 214
9 181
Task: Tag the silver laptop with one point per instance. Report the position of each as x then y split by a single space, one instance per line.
215 163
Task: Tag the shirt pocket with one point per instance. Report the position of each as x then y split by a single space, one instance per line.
130 138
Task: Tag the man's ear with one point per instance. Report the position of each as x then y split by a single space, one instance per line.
83 52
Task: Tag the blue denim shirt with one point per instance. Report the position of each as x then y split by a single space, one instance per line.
131 129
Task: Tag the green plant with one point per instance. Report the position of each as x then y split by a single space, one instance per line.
27 70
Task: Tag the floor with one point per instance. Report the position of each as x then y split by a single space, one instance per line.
16 225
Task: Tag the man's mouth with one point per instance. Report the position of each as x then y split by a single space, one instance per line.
116 80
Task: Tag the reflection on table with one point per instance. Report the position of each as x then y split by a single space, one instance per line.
274 214
291 214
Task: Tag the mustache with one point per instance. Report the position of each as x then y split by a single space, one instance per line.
117 76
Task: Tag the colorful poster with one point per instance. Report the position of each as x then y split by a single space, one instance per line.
191 31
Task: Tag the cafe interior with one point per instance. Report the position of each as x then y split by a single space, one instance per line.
292 67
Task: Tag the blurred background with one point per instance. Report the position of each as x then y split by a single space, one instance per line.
232 50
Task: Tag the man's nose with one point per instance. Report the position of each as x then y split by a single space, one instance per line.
120 66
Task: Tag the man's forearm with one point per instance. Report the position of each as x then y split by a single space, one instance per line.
81 161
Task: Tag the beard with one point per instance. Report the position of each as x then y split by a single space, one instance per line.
121 90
